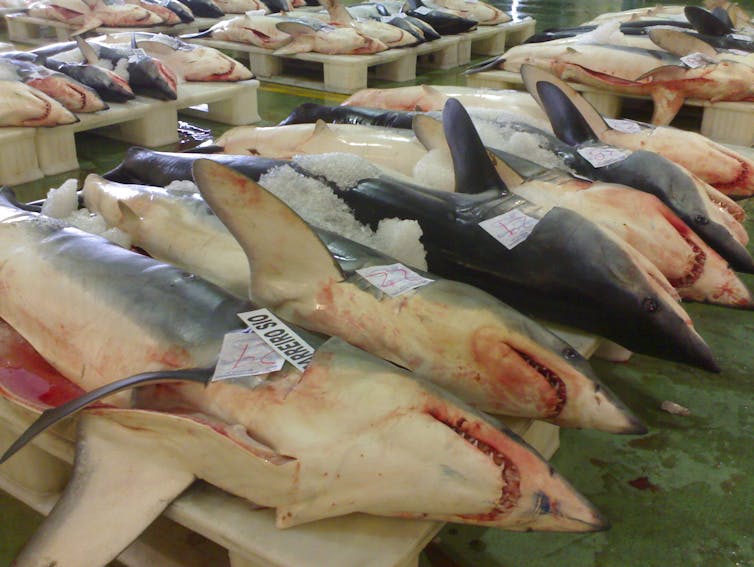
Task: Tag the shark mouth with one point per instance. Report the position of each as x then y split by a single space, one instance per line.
223 76
696 270
730 186
552 378
511 491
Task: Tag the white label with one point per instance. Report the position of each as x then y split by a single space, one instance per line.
394 279
602 156
280 337
423 10
627 126
694 60
741 37
256 13
243 354
511 228
737 52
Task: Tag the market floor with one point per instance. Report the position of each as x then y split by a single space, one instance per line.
681 495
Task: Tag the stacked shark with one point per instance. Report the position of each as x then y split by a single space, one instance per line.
306 442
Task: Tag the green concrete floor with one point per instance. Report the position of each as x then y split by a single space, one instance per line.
681 495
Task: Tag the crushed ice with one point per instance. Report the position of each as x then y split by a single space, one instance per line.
62 203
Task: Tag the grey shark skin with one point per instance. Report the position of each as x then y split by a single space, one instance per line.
444 23
634 312
204 8
310 112
645 171
572 274
282 440
141 165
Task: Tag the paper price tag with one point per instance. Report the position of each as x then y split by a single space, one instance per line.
627 126
279 337
394 279
742 37
737 52
511 228
423 10
602 156
694 60
256 12
245 354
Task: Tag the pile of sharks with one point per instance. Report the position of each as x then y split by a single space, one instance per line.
57 81
364 28
373 371
670 54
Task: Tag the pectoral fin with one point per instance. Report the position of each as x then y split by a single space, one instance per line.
667 104
115 492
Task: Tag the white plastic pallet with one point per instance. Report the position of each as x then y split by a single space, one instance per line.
208 527
345 73
725 122
31 153
493 40
29 30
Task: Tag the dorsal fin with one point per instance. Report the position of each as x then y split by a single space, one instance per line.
283 251
52 416
679 42
705 21
722 14
574 120
90 56
337 12
474 170
320 126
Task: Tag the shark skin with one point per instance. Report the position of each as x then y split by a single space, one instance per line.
694 269
454 239
425 98
640 219
439 330
189 61
450 224
726 170
710 217
313 438
658 74
310 112
23 105
388 148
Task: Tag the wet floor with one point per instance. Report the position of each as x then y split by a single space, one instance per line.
681 495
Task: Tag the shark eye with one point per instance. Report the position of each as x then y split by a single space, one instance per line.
650 304
570 353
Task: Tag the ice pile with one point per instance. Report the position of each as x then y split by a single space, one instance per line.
62 203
